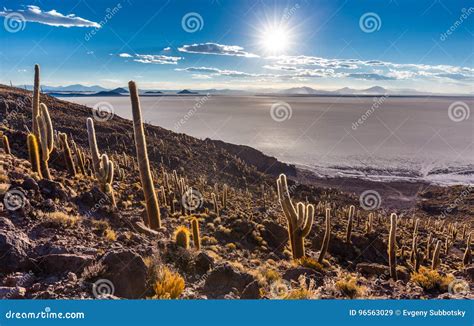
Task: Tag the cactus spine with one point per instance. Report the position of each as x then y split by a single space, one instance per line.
300 220
349 223
33 153
436 261
46 141
152 205
6 145
196 235
327 236
392 247
67 154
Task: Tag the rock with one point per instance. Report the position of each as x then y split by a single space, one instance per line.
374 269
251 291
94 199
224 279
52 189
72 277
17 292
30 184
127 272
14 247
61 263
275 235
203 263
293 274
143 229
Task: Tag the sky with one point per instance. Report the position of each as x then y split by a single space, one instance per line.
200 44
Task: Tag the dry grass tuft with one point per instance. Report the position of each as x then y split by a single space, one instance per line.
431 280
59 219
348 287
168 284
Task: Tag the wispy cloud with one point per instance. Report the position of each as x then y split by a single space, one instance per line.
217 49
156 59
51 18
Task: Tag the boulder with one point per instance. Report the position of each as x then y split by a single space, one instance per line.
127 272
14 247
275 235
52 189
251 291
293 274
224 279
63 263
203 263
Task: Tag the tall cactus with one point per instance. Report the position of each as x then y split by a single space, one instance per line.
152 205
349 223
46 139
36 102
33 153
196 235
67 154
6 145
105 176
467 258
436 261
300 220
327 236
224 196
392 247
93 145
215 203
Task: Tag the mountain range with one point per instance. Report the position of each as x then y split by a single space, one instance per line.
96 90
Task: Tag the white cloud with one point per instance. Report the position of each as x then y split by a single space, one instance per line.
51 18
156 59
217 49
167 49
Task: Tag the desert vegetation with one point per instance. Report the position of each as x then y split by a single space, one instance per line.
110 209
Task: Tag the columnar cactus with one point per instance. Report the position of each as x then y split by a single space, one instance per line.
392 247
300 220
327 236
368 226
46 141
36 102
6 145
152 205
67 154
349 223
436 261
196 235
224 196
181 236
467 258
33 153
80 159
105 176
215 203
93 145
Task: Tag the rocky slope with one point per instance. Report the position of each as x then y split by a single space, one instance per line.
61 238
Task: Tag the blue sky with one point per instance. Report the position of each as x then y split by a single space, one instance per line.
425 45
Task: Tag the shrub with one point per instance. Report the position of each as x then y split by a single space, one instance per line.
431 280
168 284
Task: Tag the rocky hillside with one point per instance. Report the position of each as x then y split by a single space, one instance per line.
62 238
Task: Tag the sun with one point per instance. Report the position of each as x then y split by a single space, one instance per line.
275 39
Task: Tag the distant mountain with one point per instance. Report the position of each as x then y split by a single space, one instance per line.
375 90
303 91
70 88
107 93
153 92
120 90
186 92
